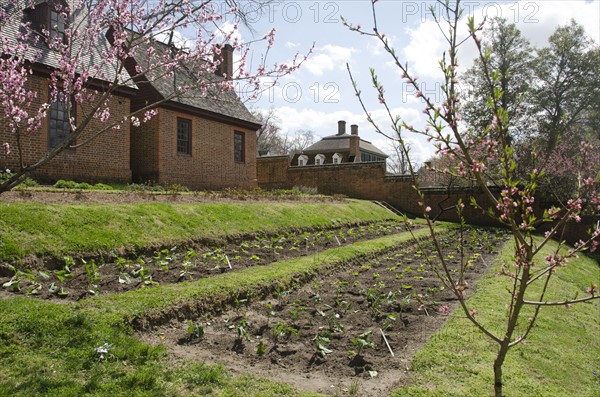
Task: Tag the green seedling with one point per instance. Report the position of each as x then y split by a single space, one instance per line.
195 329
321 343
362 342
92 275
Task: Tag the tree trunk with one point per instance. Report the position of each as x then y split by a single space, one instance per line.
498 370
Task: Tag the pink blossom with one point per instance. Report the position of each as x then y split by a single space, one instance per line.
443 309
6 147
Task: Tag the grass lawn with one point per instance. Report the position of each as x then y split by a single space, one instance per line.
62 229
561 357
50 348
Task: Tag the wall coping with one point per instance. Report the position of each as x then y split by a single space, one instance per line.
370 164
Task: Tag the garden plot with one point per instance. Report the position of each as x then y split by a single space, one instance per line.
80 278
352 332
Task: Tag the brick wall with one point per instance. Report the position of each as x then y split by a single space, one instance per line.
211 164
367 181
271 172
104 159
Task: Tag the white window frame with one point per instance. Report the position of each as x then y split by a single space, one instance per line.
302 160
319 159
337 158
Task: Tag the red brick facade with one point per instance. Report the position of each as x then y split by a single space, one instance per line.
104 159
366 181
210 165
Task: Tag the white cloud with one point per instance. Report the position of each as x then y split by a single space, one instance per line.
291 119
289 44
536 20
375 47
328 58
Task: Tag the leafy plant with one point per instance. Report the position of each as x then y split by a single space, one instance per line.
363 342
165 257
260 349
242 329
321 343
195 329
92 275
282 331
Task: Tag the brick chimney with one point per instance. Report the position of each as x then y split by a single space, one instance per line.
354 143
226 59
341 127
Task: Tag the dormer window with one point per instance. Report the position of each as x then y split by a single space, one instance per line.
302 160
47 19
319 159
337 158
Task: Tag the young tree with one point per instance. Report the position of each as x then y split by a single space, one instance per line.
512 208
88 47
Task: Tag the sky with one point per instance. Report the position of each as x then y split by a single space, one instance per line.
320 93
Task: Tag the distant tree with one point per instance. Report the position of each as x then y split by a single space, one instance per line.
397 163
300 140
511 58
567 90
269 137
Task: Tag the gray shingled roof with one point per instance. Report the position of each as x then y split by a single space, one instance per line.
91 55
217 100
339 143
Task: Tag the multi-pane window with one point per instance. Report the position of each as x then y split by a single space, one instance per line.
59 126
368 157
238 147
57 26
184 136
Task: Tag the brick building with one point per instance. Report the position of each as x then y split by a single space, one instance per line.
204 140
339 148
99 160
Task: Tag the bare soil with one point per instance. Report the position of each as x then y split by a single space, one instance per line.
352 332
311 337
76 279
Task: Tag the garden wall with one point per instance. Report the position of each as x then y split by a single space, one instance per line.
368 181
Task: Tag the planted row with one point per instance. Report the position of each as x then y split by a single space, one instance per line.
78 278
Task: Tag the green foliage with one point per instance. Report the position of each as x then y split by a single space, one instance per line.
558 359
72 185
64 229
195 329
363 342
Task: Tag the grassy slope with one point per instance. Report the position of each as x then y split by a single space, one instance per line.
60 229
48 348
560 358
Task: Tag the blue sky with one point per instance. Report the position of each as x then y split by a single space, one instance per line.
320 93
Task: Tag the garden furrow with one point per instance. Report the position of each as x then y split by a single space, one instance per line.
323 330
